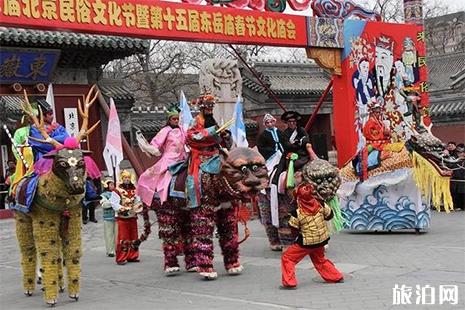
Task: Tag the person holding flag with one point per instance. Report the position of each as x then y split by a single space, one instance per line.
205 140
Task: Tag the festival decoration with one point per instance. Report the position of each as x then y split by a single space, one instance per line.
342 9
161 19
385 78
48 211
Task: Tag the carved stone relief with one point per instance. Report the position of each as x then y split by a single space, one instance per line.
222 78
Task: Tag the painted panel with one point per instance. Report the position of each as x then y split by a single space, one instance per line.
381 63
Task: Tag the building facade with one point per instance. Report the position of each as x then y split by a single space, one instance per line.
446 75
31 59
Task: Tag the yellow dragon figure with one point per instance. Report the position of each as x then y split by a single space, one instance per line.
51 231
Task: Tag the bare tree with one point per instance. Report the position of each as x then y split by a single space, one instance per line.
439 32
168 66
393 10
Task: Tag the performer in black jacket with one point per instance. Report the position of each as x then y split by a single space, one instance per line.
274 209
271 140
297 137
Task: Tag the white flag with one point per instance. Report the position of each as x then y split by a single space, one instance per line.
113 152
185 116
238 127
50 98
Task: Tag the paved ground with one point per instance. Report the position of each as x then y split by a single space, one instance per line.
373 263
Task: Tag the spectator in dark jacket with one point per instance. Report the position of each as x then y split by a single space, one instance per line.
91 200
3 192
457 184
451 149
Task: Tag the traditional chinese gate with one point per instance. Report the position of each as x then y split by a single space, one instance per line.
336 43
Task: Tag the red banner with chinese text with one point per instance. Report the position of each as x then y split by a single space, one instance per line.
157 20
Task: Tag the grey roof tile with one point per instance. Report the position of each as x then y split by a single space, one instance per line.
448 107
288 78
117 92
12 105
155 123
442 69
44 38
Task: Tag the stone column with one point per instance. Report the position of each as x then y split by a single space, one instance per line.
222 78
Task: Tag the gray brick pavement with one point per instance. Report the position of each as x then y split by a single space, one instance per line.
375 261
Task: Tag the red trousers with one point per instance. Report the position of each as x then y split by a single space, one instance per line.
295 253
127 234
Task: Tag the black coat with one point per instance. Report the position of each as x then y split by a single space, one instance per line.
459 175
266 144
299 146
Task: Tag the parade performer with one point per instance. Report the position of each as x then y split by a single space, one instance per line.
378 144
271 142
274 208
168 145
375 131
127 248
313 234
111 202
48 211
54 130
22 152
204 140
297 137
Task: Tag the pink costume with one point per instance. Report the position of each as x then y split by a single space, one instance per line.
170 142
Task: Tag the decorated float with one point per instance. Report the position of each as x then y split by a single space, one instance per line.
397 170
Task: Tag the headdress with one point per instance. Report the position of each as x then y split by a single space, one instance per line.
291 115
207 100
408 44
44 105
125 174
268 117
384 42
172 110
374 106
106 182
362 59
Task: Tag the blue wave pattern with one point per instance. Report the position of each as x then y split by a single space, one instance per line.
375 213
